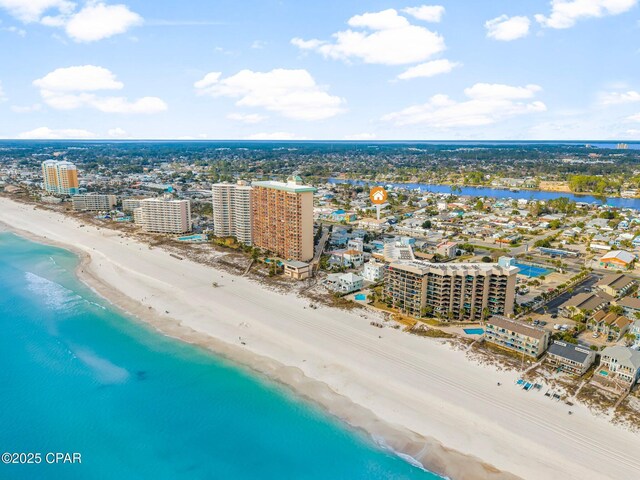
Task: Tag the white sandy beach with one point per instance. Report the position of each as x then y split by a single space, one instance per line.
407 389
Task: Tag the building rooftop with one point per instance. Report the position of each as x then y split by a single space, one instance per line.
575 353
629 302
616 281
293 185
621 255
517 327
625 356
587 301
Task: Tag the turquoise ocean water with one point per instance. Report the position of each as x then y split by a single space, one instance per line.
77 376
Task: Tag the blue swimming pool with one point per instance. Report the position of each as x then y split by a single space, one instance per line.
531 270
473 331
361 296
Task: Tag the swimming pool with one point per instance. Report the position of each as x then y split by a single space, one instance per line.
194 238
473 331
531 270
361 296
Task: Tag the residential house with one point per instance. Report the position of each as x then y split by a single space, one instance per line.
631 306
619 367
373 271
570 358
344 283
296 269
447 249
611 325
517 336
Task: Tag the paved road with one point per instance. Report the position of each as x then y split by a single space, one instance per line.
552 306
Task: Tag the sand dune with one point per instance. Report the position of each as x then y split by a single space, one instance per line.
422 397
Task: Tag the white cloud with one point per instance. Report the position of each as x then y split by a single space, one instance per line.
507 28
246 117
565 13
26 108
94 21
291 93
98 20
387 38
46 133
258 44
18 31
429 69
619 98
427 13
274 136
80 78
3 97
486 104
72 87
28 11
117 133
361 136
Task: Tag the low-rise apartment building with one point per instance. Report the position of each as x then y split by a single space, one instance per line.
517 336
570 358
616 284
455 291
93 202
296 270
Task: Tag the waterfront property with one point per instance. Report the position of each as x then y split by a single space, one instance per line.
570 358
283 218
373 271
454 291
619 368
60 177
232 211
343 283
296 269
164 215
93 202
517 336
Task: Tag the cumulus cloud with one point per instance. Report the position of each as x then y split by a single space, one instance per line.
619 98
246 117
486 104
426 13
117 133
565 13
384 38
507 28
291 93
94 21
274 136
74 87
46 133
429 69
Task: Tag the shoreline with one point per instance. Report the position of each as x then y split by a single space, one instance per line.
423 452
406 390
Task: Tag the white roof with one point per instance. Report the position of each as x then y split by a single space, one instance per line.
620 255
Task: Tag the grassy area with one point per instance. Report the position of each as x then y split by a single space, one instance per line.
424 331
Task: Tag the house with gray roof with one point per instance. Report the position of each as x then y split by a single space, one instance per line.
570 358
585 303
616 284
619 368
631 306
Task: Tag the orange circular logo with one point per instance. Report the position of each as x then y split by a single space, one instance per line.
378 195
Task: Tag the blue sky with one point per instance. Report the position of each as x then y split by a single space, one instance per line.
458 69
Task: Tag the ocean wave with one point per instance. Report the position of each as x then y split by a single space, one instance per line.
54 295
406 457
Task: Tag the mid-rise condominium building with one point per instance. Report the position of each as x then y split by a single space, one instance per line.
93 202
164 215
130 204
283 218
60 177
232 213
454 291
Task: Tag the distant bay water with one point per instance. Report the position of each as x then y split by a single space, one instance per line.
77 376
502 193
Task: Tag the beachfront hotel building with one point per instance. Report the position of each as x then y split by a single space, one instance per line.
517 336
232 213
462 291
93 202
163 215
60 177
283 218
